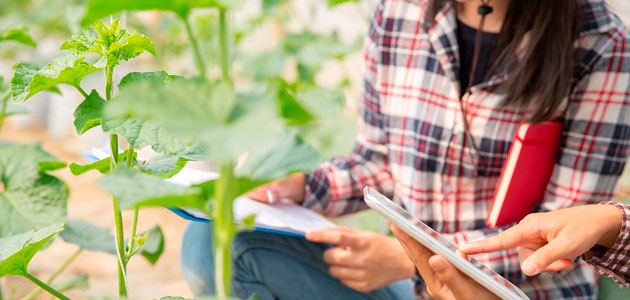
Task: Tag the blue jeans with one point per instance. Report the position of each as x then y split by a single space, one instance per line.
274 267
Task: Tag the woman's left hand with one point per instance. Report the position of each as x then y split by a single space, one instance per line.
363 260
443 280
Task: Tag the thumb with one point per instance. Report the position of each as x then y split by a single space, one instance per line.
460 285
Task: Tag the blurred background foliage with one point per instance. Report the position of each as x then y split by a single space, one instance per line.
306 49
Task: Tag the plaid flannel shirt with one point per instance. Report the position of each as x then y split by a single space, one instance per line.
411 145
615 263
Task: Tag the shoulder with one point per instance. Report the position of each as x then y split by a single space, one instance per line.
398 15
604 42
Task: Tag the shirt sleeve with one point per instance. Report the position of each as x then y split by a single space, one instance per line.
615 263
336 187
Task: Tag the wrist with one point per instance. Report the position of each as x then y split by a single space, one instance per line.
611 218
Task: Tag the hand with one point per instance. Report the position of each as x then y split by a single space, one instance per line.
363 260
443 280
552 241
291 187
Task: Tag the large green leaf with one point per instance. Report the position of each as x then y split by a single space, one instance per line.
19 35
166 165
89 113
153 246
17 251
98 9
67 69
141 133
160 77
89 236
103 165
135 189
31 198
284 155
185 108
110 42
95 238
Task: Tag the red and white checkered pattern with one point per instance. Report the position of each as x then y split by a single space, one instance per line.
411 143
615 263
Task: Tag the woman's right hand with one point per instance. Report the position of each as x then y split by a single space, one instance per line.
551 241
291 187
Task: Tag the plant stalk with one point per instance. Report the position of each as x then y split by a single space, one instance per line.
120 249
3 114
224 43
223 227
133 233
54 276
201 65
109 70
82 91
130 154
46 287
120 235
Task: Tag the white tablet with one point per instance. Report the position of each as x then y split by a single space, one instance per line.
439 245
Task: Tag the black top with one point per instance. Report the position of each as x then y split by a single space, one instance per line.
466 41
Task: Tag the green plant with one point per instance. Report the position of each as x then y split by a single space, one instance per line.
215 121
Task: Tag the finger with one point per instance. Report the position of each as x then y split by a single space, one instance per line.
511 238
560 265
339 256
344 229
461 286
402 236
357 285
335 237
418 254
541 258
259 194
346 273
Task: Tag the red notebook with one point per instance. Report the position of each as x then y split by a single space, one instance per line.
526 172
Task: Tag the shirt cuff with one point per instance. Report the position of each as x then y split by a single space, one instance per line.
615 263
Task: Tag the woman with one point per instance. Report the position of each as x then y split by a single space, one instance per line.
547 242
438 113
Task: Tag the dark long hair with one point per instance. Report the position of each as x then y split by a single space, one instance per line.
543 76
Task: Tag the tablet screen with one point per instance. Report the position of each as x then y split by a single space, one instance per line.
440 239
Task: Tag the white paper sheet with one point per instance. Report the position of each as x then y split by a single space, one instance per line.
281 216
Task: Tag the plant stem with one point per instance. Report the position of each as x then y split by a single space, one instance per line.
201 65
224 43
46 287
223 227
113 144
120 234
109 70
54 276
3 114
133 233
81 90
1 295
120 249
130 153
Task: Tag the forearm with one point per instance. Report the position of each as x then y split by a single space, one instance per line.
615 261
336 188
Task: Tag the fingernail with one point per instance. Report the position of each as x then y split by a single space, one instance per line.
438 265
530 268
